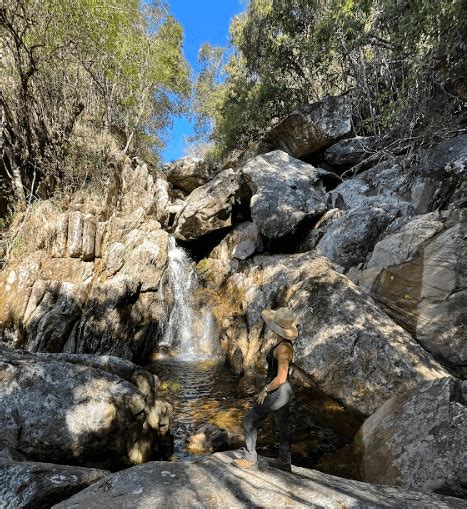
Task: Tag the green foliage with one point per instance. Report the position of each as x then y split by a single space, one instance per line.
116 65
202 266
394 57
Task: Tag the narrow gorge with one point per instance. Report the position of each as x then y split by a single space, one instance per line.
131 336
371 265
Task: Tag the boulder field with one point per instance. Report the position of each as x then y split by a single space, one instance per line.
366 248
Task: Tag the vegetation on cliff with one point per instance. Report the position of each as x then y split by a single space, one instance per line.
400 61
77 68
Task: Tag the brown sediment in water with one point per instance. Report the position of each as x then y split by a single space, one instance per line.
207 392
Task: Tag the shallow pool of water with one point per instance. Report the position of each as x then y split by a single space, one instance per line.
207 392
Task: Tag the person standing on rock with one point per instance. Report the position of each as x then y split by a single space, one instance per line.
277 393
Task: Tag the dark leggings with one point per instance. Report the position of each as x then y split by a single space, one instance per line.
277 403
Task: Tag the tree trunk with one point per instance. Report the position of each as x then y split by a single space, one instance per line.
18 184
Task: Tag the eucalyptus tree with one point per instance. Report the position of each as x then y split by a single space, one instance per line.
398 60
114 65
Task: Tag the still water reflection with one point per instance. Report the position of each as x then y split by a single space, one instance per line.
207 392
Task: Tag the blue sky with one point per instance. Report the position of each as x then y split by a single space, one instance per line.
202 21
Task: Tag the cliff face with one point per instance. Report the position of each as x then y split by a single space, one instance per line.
96 282
95 285
369 255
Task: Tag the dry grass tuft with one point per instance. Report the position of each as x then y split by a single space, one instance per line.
33 228
223 305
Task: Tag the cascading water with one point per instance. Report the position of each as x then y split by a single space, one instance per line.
202 389
189 333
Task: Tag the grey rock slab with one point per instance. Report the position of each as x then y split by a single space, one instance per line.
418 274
213 482
147 382
240 243
189 173
312 127
349 240
62 412
403 245
350 348
448 150
208 208
418 439
441 322
32 485
349 194
350 151
284 192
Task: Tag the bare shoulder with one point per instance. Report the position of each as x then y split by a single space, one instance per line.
283 350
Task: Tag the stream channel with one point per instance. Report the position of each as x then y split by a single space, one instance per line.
202 389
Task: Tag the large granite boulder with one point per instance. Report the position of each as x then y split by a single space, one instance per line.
350 151
208 208
312 127
442 309
69 409
30 485
349 240
238 245
418 439
285 191
241 243
352 350
110 304
189 173
213 482
349 194
418 275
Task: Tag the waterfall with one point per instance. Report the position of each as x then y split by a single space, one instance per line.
189 333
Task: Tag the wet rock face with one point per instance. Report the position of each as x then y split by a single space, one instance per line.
284 191
311 128
40 485
62 408
208 208
189 173
418 439
351 349
214 482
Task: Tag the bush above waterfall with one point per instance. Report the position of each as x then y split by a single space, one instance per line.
401 61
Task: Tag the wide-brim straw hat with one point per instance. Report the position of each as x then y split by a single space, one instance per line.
281 321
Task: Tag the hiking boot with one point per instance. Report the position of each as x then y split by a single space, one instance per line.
281 465
244 463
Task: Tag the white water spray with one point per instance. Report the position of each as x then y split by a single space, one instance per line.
188 332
